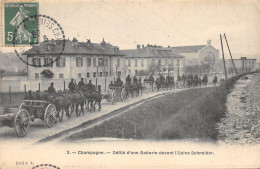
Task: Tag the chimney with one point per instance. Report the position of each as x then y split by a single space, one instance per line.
138 46
209 42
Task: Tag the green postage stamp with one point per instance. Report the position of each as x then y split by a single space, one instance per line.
20 23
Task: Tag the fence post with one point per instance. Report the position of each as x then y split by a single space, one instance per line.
10 94
24 88
105 83
64 86
96 83
141 89
39 87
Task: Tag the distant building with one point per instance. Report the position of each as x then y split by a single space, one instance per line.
242 65
78 60
152 59
202 58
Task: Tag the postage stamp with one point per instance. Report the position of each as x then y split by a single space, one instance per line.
14 15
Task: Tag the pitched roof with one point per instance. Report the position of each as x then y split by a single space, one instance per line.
53 47
151 52
188 49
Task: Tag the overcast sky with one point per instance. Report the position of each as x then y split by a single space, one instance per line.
164 22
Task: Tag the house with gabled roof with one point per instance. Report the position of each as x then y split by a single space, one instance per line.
74 59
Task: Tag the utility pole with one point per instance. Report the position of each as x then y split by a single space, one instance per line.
223 57
230 54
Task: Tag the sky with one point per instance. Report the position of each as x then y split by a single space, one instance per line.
126 23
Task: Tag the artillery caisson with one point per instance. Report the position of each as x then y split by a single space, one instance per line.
115 93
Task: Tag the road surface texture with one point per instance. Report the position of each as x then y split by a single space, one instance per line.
38 131
242 123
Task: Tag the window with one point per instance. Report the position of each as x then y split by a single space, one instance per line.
94 62
79 75
135 62
172 62
135 72
129 62
129 72
61 75
159 62
166 60
118 62
88 62
100 74
79 61
94 74
60 62
48 62
142 62
153 61
178 62
88 74
106 61
36 61
100 61
106 74
36 75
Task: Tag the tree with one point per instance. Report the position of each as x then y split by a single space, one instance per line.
207 63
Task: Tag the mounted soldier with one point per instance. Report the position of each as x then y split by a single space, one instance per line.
183 77
168 78
51 89
111 84
119 81
72 87
90 86
140 80
151 78
81 84
162 78
135 80
28 96
128 79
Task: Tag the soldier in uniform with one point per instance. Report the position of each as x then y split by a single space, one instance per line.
90 86
81 84
140 80
111 84
51 89
29 96
134 80
71 86
128 79
118 81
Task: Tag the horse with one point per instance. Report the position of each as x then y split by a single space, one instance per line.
62 103
93 98
205 81
77 99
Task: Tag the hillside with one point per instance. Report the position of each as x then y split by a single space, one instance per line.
10 62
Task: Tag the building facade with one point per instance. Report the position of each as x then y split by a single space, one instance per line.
152 59
78 60
199 58
242 65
